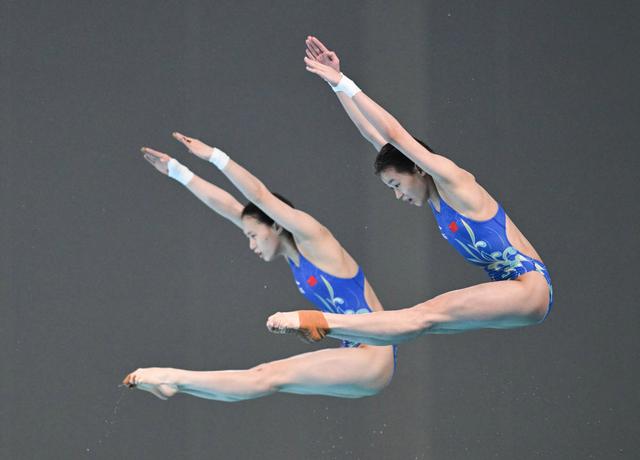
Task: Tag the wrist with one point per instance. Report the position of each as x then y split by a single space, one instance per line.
179 172
347 86
218 158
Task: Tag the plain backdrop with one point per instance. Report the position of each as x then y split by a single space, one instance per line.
108 266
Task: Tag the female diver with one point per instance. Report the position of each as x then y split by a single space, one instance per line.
520 293
324 272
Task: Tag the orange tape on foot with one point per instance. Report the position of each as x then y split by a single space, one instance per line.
313 325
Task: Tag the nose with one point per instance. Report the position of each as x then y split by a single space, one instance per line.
398 194
252 244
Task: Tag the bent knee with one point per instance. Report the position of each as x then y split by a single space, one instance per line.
538 307
537 313
381 370
365 391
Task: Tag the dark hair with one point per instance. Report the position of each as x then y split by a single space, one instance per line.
258 214
390 157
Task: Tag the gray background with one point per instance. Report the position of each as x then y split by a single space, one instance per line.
108 266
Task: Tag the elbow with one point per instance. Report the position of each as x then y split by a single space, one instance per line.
253 189
258 194
366 133
393 132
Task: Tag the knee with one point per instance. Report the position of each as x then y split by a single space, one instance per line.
536 314
425 317
372 389
379 371
266 377
409 323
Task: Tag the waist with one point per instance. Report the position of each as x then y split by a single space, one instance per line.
520 266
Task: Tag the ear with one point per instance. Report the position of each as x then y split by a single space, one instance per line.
419 170
277 228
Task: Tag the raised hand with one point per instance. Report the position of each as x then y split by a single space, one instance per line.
198 148
159 160
326 72
318 52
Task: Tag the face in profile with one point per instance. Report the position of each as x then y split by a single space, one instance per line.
264 240
408 187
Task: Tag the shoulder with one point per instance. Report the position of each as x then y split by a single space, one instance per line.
467 196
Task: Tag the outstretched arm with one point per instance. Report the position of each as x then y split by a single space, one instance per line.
390 130
318 52
300 224
214 197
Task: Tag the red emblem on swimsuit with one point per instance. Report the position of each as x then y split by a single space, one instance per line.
312 281
453 226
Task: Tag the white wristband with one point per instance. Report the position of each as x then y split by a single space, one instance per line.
219 158
347 86
179 171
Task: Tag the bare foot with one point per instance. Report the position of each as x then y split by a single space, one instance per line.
156 380
284 323
309 325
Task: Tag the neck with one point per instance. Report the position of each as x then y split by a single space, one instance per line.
289 250
432 190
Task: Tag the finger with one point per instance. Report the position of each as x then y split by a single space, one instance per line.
315 45
182 138
312 70
316 65
153 152
319 44
150 159
311 48
311 62
309 54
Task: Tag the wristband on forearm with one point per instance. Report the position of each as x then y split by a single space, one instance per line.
219 158
179 171
347 86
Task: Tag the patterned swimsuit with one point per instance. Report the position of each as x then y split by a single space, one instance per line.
485 244
331 294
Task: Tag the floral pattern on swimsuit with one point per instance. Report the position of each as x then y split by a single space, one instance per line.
485 243
329 293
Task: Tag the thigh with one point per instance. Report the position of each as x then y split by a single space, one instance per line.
497 304
345 372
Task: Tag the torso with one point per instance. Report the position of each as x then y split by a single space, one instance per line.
332 293
478 205
330 258
483 234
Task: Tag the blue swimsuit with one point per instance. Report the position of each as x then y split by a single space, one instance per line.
485 243
331 294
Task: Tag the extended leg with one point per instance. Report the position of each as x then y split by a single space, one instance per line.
341 372
503 304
